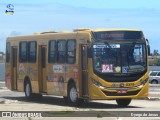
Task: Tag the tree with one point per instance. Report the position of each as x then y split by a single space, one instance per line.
155 53
157 62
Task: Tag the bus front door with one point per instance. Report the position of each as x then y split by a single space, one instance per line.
14 68
42 65
84 67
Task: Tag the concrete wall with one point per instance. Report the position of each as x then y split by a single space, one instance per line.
2 71
156 68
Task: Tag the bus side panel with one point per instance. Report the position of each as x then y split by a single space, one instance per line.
32 71
20 84
72 73
22 73
29 70
57 83
58 77
56 80
51 85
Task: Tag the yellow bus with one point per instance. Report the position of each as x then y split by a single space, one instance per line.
84 64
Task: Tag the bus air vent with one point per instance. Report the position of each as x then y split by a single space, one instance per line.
81 29
48 32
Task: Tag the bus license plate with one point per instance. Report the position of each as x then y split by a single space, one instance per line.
121 91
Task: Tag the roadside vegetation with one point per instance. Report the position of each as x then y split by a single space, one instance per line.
156 62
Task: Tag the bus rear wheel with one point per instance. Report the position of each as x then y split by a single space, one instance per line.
28 90
123 102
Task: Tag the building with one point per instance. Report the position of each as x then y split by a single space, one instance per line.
152 58
2 57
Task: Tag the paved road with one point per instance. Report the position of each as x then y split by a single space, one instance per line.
14 98
154 87
15 101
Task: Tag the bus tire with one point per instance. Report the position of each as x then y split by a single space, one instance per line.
65 98
72 95
28 90
123 102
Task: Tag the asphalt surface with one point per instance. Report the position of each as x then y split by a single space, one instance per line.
15 101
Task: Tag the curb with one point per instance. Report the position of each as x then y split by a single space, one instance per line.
153 98
3 88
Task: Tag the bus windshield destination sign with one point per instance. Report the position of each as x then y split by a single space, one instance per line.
117 35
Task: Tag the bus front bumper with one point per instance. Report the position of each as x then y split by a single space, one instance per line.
99 92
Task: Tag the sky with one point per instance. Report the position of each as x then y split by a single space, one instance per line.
32 16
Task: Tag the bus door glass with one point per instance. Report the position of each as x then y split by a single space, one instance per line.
43 81
84 65
14 68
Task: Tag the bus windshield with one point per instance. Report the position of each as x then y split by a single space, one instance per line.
119 58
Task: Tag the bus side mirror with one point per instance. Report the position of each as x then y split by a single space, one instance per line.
89 52
148 47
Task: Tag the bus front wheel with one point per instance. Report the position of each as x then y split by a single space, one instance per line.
123 102
72 95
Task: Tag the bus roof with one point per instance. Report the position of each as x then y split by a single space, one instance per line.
105 29
75 31
114 29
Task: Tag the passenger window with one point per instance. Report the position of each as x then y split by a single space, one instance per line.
71 51
158 74
23 52
52 51
61 51
32 52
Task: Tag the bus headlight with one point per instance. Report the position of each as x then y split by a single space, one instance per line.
97 83
143 82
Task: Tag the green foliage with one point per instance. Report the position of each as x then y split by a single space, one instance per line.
156 62
155 52
151 63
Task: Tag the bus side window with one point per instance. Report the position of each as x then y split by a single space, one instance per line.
52 51
71 51
32 51
61 51
23 52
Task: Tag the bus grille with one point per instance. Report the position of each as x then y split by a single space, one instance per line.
122 94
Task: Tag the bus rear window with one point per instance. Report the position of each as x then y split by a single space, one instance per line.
117 35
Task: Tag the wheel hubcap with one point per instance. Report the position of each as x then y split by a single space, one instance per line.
28 90
73 94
